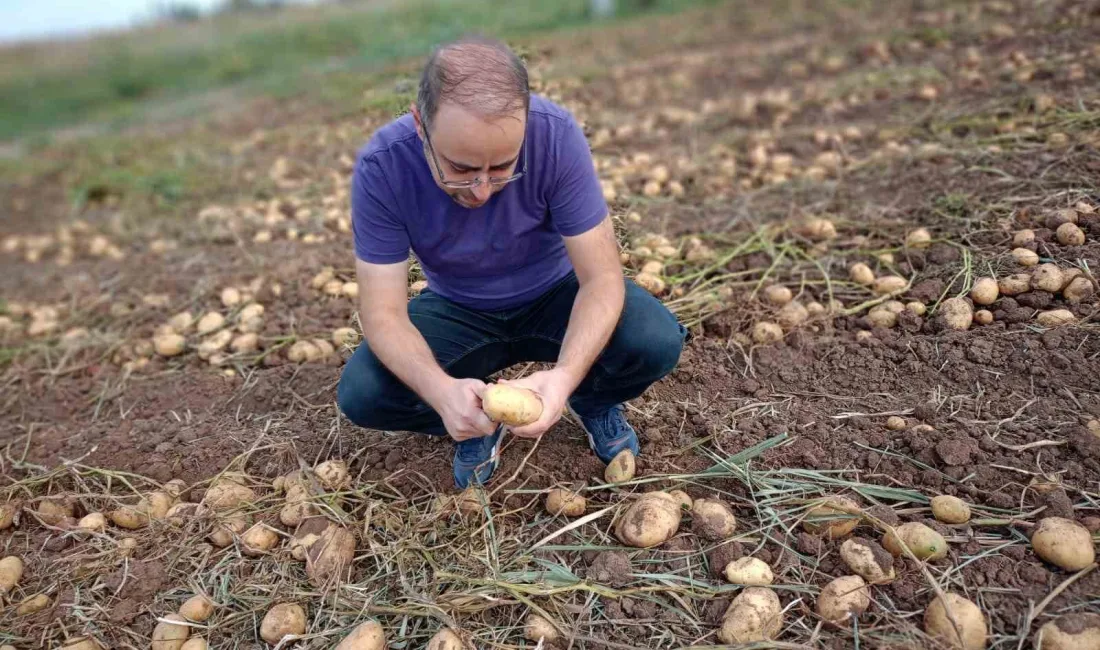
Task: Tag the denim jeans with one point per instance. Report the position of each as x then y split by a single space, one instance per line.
644 347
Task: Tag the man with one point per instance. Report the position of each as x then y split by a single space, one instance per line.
494 190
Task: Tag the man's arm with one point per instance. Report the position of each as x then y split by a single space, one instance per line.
596 311
383 311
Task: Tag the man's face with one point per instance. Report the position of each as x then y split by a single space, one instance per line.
470 146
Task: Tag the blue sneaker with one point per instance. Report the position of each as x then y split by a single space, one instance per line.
476 459
610 433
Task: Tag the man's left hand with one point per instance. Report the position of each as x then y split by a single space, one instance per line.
553 387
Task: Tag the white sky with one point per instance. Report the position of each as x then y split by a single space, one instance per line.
29 19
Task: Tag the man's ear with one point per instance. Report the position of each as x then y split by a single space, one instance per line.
416 119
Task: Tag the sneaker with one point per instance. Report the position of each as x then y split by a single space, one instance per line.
610 433
476 459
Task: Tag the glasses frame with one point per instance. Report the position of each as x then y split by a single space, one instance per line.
477 181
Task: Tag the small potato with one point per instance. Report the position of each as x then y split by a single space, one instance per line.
7 515
93 522
843 598
1070 632
818 229
245 343
792 315
682 497
919 238
984 291
621 468
182 513
1023 238
228 493
889 284
197 608
303 352
446 639
510 405
1015 284
82 643
835 516
651 283
561 501
282 620
170 634
917 308
895 423
882 317
766 332
1025 257
1055 317
1047 277
653 267
1070 234
333 474
231 297
299 505
1064 543
368 635
754 615
950 510
957 313
972 630
778 295
344 336
225 532
32 605
169 345
539 629
181 322
712 519
749 571
130 517
983 317
258 540
329 558
923 542
209 322
815 309
1078 290
651 520
867 559
860 273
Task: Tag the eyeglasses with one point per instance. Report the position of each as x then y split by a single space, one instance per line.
476 182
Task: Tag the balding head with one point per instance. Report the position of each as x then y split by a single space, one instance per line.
481 75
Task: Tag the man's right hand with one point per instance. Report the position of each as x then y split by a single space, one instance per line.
458 402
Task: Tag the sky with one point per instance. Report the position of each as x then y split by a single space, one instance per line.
31 19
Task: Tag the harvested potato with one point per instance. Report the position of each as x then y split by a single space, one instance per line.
923 542
1025 257
538 629
957 313
860 273
330 557
1070 234
818 229
950 510
835 516
1023 238
169 345
333 288
651 520
778 295
303 352
895 423
1078 290
917 308
919 238
344 336
561 501
82 643
1047 277
1015 284
650 283
510 405
983 317
170 633
1064 543
130 517
868 560
282 620
621 468
766 332
228 492
792 314
126 546
209 322
157 504
984 291
882 317
368 635
182 513
1070 632
754 615
815 309
32 605
749 571
215 343
350 289
245 343
197 608
230 296
250 311
843 598
324 348
888 284
446 639
259 539
194 643
333 474
7 515
713 520
682 498
1055 317
229 527
93 522
972 629
653 267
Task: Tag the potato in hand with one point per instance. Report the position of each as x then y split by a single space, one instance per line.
512 406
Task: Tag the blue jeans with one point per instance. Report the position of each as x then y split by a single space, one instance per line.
644 347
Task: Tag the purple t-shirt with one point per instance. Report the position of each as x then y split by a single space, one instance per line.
501 255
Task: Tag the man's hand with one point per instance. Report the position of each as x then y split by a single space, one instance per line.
458 402
553 387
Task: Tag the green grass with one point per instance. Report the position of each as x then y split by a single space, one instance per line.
111 79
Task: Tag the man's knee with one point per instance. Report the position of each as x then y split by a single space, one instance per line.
650 337
360 392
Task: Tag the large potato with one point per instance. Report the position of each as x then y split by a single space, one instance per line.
53 512
713 520
1064 543
889 284
971 633
32 604
446 639
1070 632
835 516
170 633
197 608
93 522
957 313
749 571
227 529
1047 277
923 542
778 295
539 629
985 291
228 492
766 332
333 474
194 643
330 557
368 635
7 515
561 501
621 468
651 520
919 238
842 598
868 560
259 539
792 315
860 273
950 510
131 517
1055 317
298 505
281 620
754 615
510 405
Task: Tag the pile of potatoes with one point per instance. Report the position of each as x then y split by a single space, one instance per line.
328 284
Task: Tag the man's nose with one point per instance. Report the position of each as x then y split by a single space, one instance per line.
482 192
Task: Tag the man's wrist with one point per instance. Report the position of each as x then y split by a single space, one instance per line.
570 376
435 386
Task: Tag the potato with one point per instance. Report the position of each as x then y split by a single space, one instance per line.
653 267
227 493
651 520
82 643
250 311
923 542
1064 543
983 317
446 639
895 423
713 520
330 557
195 643
197 608
157 504
834 516
1047 277
957 313
792 314
93 522
1070 632
984 291
510 405
950 510
303 352
181 322
1023 238
231 296
259 539
682 498
818 229
245 343
182 513
888 284
344 336
126 546
766 332
224 533
561 501
209 322
130 517
333 474
650 283
882 317
815 309
7 515
368 635
778 295
916 307
1069 234
32 605
860 273
1078 290
868 560
621 468
1025 257
325 349
919 238
333 287
538 629
282 620
1014 284
749 571
175 488
169 634
971 632
1055 317
843 598
754 615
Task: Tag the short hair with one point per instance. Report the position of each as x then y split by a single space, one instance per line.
477 73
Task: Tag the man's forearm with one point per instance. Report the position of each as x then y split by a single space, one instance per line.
402 349
596 312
